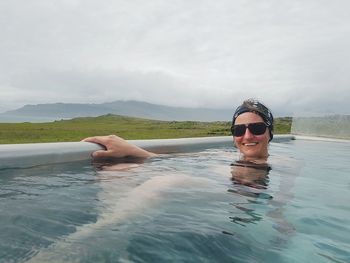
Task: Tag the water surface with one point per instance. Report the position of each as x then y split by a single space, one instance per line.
188 207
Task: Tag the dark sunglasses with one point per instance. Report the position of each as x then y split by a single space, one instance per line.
256 128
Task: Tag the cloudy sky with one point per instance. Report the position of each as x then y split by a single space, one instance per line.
292 55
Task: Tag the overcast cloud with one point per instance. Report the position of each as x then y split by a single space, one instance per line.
292 55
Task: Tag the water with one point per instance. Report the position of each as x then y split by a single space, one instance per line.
185 208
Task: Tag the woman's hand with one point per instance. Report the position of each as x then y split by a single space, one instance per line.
117 147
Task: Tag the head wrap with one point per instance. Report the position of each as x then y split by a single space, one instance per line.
257 107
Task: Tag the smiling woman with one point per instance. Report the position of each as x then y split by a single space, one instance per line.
251 144
252 128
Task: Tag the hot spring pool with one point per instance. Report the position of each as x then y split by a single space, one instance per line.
183 207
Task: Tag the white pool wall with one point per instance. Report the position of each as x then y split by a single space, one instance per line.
33 154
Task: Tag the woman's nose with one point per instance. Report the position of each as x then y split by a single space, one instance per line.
248 134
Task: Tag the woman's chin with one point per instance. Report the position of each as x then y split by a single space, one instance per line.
254 155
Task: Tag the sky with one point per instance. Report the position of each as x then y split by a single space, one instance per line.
292 55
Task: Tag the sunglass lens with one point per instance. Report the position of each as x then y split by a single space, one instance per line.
238 130
257 128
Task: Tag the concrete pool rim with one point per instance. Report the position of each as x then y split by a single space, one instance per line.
33 154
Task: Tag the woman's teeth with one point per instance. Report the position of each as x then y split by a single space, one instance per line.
250 144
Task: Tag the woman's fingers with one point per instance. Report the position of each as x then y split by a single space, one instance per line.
101 154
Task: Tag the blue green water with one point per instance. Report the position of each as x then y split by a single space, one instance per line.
191 207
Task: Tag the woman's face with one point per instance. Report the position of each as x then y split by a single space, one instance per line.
250 145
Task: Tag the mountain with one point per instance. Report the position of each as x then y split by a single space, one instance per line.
57 111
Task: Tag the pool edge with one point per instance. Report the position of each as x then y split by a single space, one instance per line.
33 154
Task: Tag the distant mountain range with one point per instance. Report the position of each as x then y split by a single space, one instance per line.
57 111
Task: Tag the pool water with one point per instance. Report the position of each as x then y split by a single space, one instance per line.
192 207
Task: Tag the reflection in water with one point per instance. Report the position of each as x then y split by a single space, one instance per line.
250 174
250 179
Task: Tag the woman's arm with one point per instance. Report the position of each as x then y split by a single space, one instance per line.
117 147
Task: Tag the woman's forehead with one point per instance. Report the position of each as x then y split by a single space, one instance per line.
248 117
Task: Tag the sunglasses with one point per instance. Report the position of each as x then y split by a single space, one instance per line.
256 128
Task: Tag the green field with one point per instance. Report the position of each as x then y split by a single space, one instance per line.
126 127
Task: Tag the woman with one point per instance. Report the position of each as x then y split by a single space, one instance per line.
252 128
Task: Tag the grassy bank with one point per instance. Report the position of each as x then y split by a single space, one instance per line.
126 127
